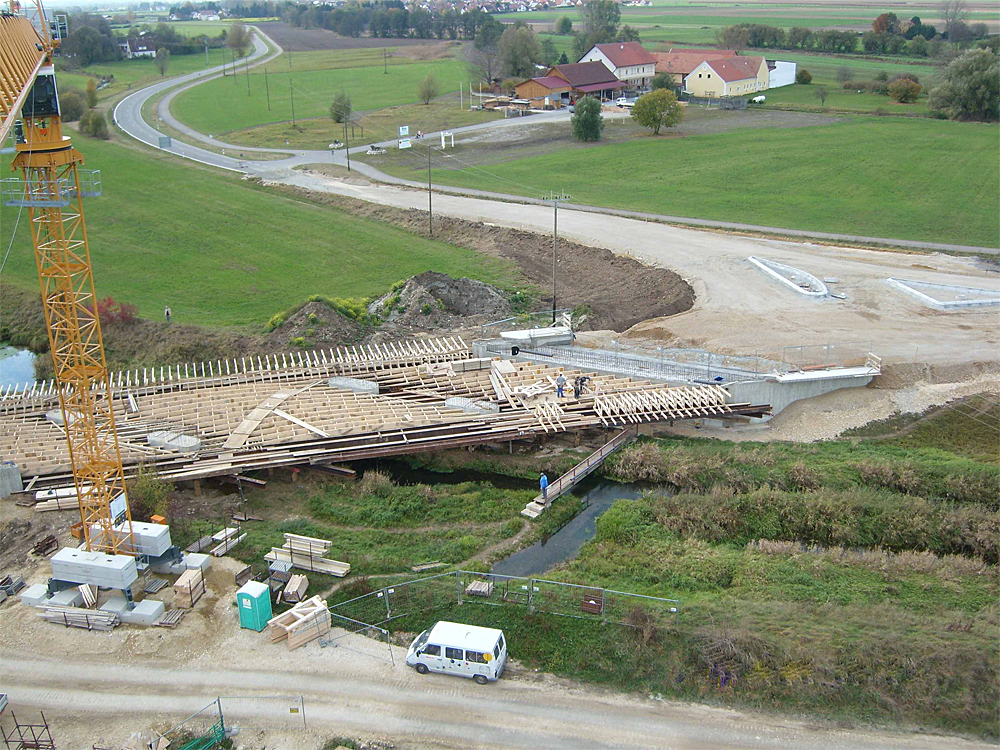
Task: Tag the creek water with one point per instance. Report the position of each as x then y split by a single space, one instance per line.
596 494
17 366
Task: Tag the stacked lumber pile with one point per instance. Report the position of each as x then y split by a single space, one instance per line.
189 588
46 546
75 617
58 503
89 593
308 553
295 589
304 622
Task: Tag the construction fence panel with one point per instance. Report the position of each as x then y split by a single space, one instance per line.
260 711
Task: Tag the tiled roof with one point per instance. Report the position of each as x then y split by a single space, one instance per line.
731 69
584 74
626 54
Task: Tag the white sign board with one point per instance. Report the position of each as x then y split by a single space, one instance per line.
404 142
118 507
404 130
446 134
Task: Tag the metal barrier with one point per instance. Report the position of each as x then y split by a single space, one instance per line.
461 587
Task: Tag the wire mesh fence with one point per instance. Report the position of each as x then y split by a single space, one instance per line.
440 592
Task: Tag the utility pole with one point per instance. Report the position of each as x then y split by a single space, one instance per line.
347 146
235 74
289 59
246 68
385 61
430 211
555 241
206 54
267 91
291 92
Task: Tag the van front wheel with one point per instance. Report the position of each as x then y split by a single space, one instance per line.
480 679
421 669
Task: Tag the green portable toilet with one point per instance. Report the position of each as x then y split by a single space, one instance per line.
254 602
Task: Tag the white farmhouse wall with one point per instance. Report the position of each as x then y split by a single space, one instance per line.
782 75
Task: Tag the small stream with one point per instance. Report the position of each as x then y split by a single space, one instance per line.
596 493
17 366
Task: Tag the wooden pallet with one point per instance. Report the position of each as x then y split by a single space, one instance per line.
46 546
480 588
295 589
170 619
153 585
204 543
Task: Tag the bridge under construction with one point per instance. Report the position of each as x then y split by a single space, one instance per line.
224 418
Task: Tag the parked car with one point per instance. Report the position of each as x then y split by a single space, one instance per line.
462 650
623 101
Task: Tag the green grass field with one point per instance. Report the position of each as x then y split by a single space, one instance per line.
134 74
866 176
223 253
222 105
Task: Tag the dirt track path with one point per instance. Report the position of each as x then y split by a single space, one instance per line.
357 694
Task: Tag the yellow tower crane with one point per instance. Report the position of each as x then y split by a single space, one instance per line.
52 191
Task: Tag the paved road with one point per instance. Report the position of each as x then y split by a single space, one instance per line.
356 694
128 116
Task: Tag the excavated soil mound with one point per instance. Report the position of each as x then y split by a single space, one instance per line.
321 326
437 302
619 291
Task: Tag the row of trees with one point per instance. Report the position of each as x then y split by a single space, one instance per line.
888 37
386 18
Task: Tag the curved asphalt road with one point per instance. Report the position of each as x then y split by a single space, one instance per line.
128 116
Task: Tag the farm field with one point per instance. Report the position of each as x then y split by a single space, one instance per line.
223 253
220 106
379 125
865 176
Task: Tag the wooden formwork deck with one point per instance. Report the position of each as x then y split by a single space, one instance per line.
255 417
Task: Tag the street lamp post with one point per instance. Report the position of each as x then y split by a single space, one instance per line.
555 241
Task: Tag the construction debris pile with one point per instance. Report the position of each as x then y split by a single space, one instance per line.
304 622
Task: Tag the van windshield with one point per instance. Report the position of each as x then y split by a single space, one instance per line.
421 640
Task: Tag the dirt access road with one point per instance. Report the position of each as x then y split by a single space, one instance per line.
349 693
737 308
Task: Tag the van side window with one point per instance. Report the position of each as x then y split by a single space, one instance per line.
476 657
501 643
453 653
432 650
496 650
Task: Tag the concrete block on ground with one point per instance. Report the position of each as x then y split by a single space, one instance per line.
67 598
10 479
196 561
116 604
35 594
152 539
145 612
80 566
172 568
354 384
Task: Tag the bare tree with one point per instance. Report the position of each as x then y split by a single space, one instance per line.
821 94
953 12
428 88
239 38
162 60
486 63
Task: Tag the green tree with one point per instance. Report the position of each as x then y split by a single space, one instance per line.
340 107
91 93
564 25
732 37
600 21
563 60
971 88
162 60
803 76
662 81
627 34
519 51
428 88
239 38
588 123
917 47
658 109
72 104
904 90
92 123
489 33
549 52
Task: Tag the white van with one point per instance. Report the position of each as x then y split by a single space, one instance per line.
463 650
623 101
